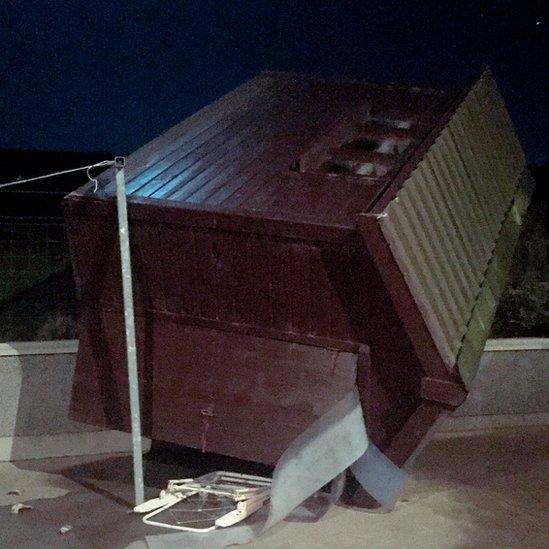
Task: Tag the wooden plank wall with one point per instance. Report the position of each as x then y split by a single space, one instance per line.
233 394
275 285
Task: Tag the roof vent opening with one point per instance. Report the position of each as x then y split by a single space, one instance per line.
371 169
337 168
361 144
393 146
391 121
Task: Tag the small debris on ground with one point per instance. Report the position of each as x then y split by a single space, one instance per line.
64 529
15 509
14 492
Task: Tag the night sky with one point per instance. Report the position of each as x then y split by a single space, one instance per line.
100 75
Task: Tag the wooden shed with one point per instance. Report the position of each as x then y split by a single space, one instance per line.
296 237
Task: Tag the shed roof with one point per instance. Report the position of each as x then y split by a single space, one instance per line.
287 146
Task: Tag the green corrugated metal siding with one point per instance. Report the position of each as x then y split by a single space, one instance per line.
454 222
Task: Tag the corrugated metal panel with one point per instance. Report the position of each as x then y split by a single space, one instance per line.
443 225
494 283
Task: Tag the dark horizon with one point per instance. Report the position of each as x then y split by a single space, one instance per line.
97 76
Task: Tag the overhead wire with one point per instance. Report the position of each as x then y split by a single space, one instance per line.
63 172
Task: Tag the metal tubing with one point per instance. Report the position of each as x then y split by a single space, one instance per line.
129 322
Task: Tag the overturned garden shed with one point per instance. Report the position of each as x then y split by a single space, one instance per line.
279 233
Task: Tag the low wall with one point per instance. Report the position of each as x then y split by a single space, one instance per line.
35 388
511 390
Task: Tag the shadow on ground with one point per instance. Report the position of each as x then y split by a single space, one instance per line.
472 492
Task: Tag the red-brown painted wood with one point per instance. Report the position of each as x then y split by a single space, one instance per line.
252 277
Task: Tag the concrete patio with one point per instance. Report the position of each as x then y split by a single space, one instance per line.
466 492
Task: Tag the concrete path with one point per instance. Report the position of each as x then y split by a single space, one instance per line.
474 492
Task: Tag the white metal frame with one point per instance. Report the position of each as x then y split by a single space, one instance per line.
248 492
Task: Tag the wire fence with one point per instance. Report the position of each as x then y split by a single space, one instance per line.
37 290
31 248
37 293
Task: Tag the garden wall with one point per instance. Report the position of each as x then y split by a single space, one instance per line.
511 390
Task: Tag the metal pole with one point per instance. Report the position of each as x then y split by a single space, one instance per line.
129 322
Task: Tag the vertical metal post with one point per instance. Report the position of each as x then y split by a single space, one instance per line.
129 321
